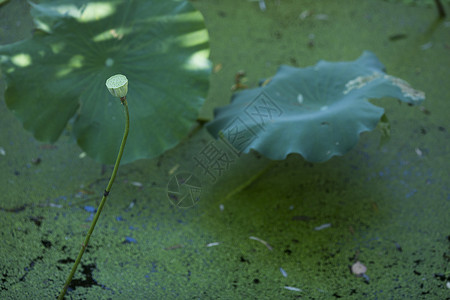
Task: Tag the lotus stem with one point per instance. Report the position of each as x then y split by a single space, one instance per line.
123 99
440 8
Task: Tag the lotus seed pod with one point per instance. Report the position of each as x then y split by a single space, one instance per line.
117 85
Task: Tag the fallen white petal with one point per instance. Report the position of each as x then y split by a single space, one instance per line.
291 288
262 241
323 226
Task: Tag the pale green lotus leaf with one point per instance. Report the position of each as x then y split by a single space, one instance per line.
317 112
59 74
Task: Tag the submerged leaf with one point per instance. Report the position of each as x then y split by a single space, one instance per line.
317 112
161 47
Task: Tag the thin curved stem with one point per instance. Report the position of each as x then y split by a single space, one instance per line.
102 203
250 181
440 8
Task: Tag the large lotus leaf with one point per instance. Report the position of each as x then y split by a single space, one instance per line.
317 111
60 73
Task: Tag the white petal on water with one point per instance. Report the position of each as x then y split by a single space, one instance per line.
418 152
262 5
262 241
291 288
323 226
283 272
304 14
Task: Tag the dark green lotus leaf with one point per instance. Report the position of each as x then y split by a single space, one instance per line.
317 112
59 74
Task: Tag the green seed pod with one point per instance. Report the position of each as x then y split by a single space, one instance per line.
117 85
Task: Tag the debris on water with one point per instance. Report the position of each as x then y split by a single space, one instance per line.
82 155
262 241
239 80
262 5
424 110
440 276
399 248
90 209
418 152
129 240
36 161
174 169
304 14
221 207
213 244
323 226
136 183
217 68
291 288
358 269
397 37
2 151
55 205
283 272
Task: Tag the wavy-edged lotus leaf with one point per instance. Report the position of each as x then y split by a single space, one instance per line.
317 112
59 74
